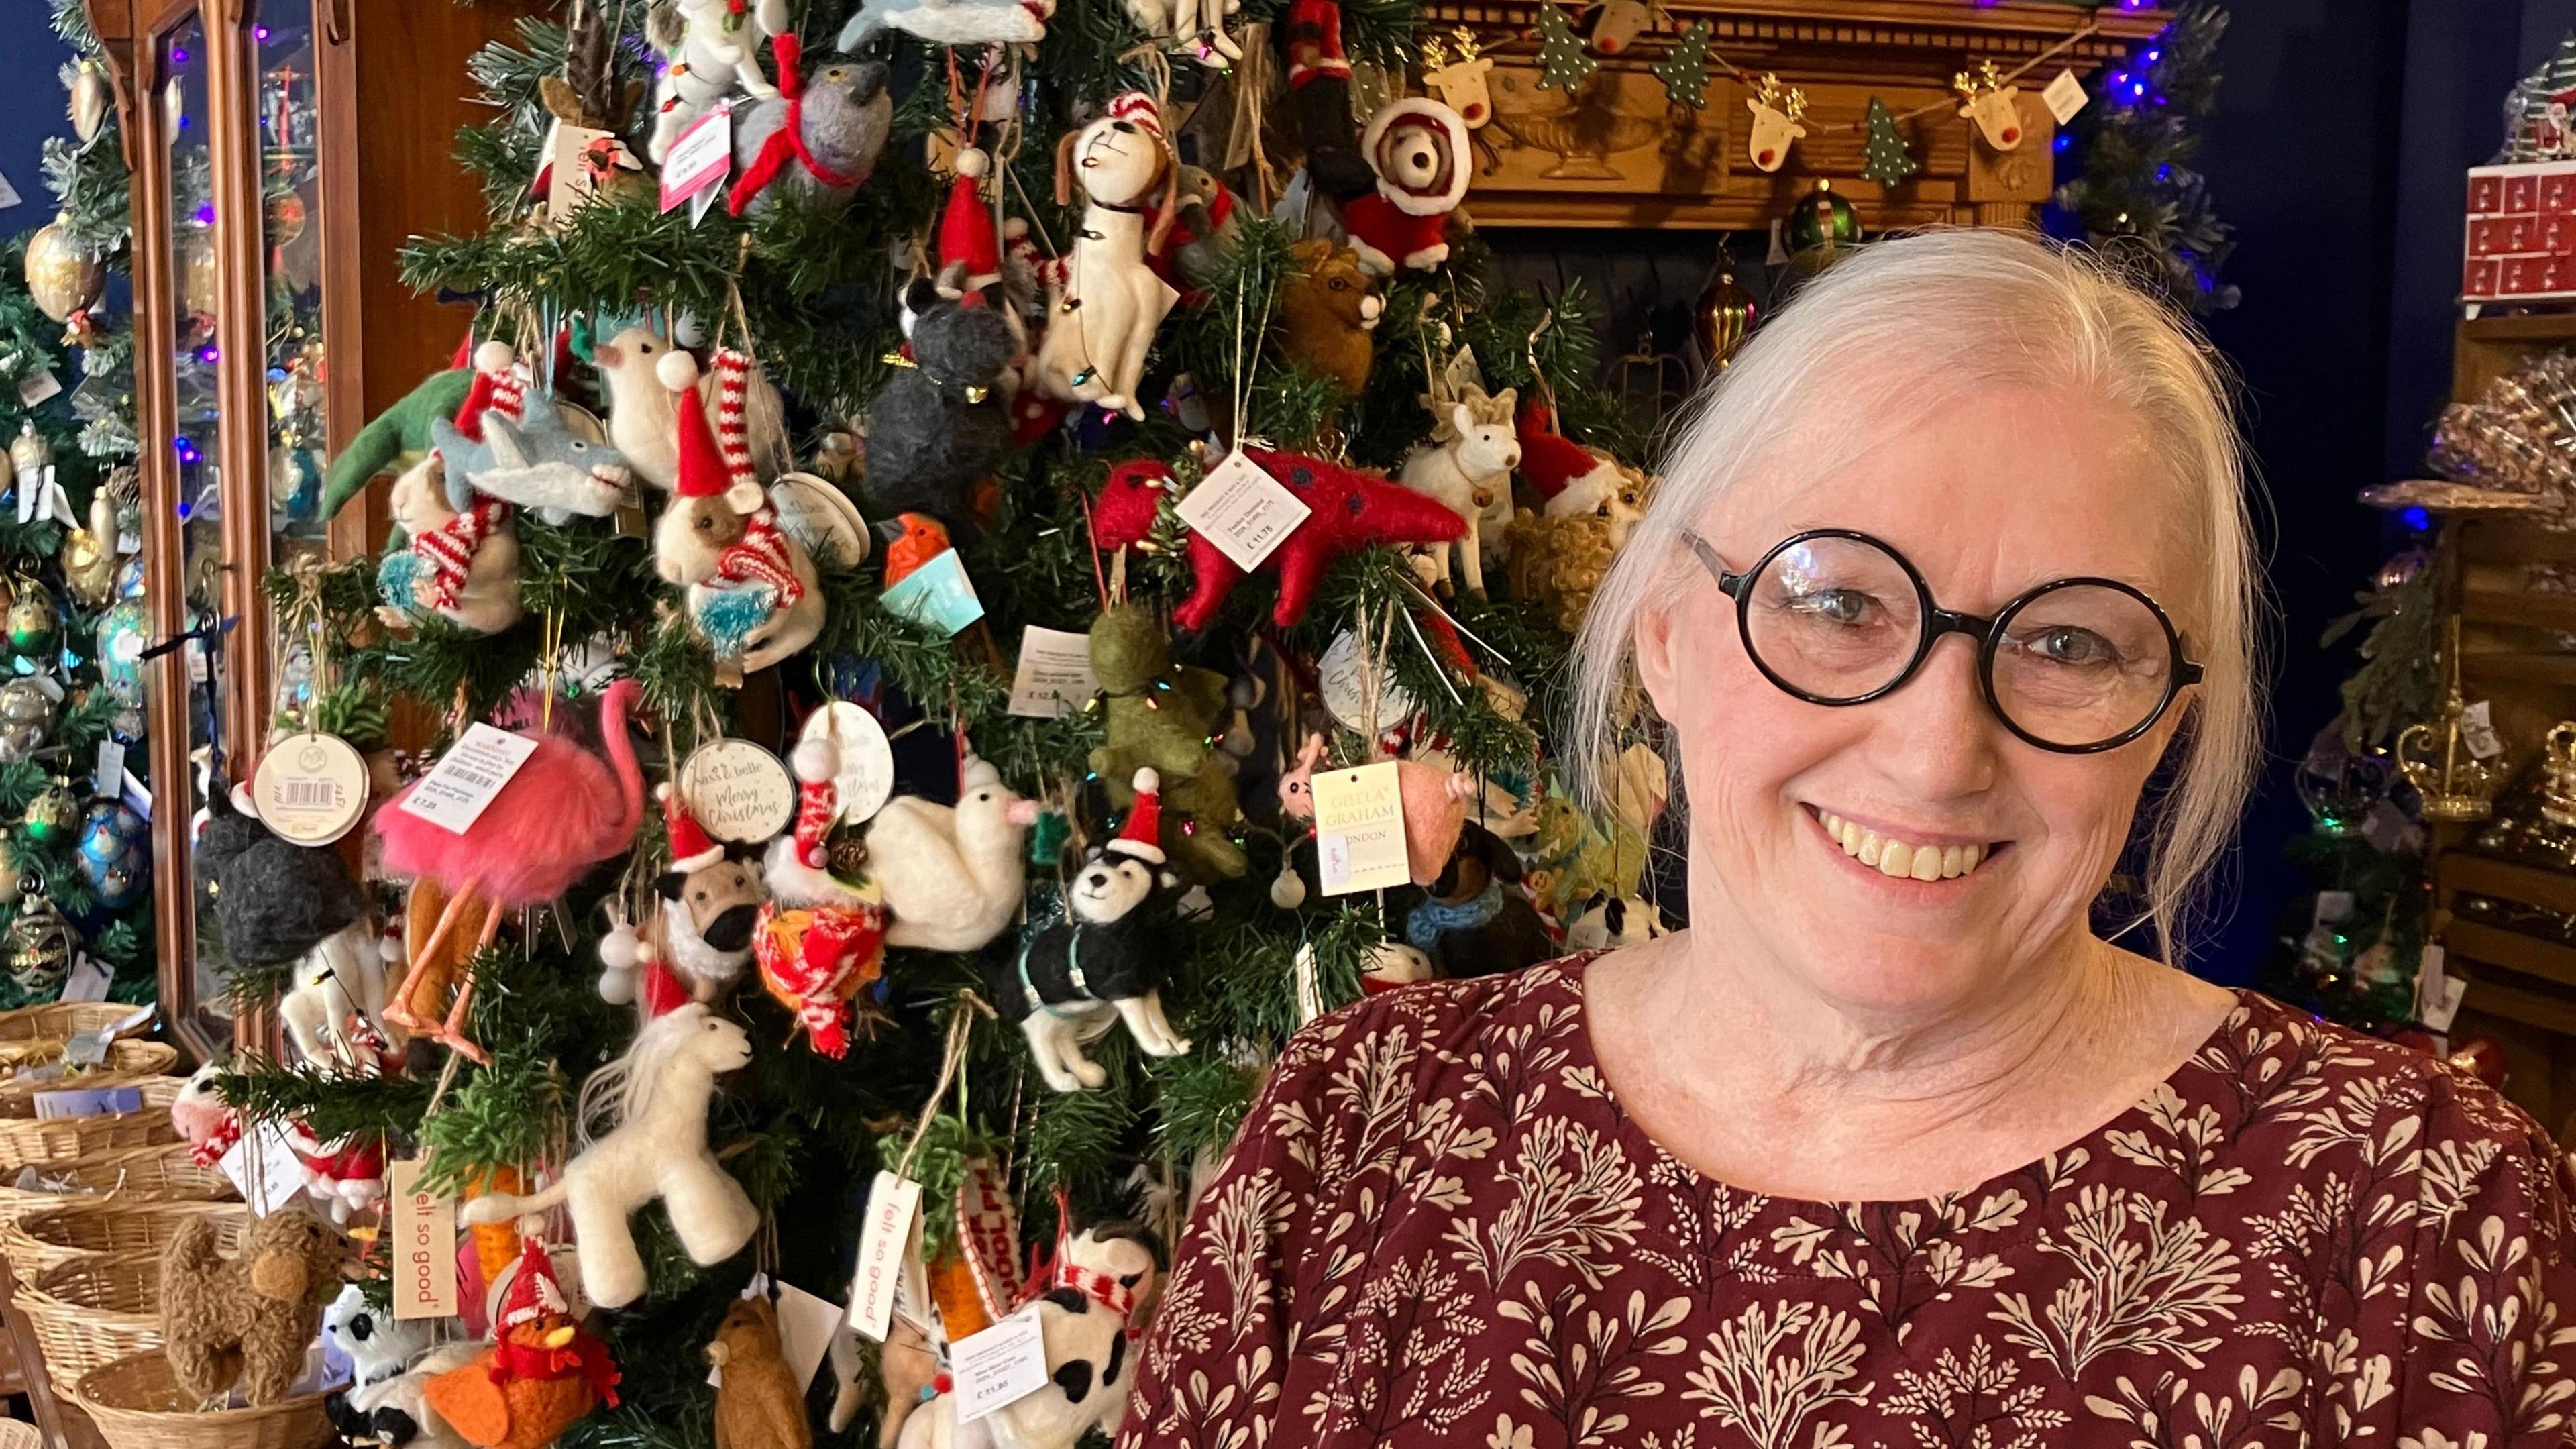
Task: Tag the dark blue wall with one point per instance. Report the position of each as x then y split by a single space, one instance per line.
31 108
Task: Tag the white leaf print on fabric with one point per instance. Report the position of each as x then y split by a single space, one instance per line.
1765 1371
2143 1292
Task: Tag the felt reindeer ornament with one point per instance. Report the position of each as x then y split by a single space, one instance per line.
752 588
1103 301
1328 309
653 1102
1992 105
1467 468
544 1373
1417 148
821 938
711 52
1776 113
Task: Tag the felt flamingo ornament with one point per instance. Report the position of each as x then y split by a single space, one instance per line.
564 811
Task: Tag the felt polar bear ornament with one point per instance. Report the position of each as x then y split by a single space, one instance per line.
1467 468
1103 301
950 22
711 52
752 587
656 1097
1418 149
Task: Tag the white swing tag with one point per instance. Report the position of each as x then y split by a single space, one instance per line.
2065 96
424 1245
1054 677
894 1207
465 781
1244 511
1000 1366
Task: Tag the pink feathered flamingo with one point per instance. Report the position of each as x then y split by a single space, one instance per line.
562 813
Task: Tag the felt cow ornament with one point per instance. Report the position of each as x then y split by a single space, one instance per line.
821 939
1417 148
752 588
1103 301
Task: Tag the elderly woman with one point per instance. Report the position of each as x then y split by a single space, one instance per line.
1948 596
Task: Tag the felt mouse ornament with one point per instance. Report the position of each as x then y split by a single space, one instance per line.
245 1318
1417 148
759 1404
1160 717
544 1373
1103 961
459 558
1571 478
1103 301
821 938
751 587
953 875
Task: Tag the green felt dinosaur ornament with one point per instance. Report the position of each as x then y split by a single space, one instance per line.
398 432
1162 715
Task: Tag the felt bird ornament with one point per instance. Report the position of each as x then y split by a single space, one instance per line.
759 1404
544 1374
819 136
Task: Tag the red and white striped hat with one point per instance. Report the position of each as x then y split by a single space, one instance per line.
818 800
1138 107
496 385
691 847
713 467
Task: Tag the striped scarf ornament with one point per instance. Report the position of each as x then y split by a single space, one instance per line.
448 549
733 418
761 559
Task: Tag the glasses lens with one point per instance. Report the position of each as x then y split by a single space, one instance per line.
2081 664
1834 618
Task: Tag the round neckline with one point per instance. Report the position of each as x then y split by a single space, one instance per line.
2094 1142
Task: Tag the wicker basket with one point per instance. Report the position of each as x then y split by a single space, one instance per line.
19 1434
91 1312
165 1173
24 1139
60 1021
136 1406
51 1237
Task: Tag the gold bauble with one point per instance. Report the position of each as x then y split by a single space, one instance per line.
40 944
91 100
62 275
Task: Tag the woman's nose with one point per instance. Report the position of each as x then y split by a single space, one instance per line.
1936 732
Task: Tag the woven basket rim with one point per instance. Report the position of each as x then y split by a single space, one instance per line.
83 1394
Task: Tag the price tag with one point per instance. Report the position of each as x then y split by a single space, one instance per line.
938 594
309 788
423 1232
2477 731
2333 907
738 791
88 1102
886 1239
108 776
1054 676
265 1169
89 980
2439 1014
465 781
569 181
1359 829
37 386
1244 511
867 758
1000 1366
701 158
2065 96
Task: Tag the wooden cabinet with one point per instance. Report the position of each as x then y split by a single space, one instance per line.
282 152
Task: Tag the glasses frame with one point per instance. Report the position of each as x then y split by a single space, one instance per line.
1937 621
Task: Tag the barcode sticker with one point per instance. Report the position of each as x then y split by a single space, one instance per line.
312 788
465 781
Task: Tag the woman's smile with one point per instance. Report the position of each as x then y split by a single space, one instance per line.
1892 853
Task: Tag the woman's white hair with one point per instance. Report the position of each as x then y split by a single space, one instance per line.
1906 327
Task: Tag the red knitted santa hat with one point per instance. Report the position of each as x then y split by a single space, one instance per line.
534 1294
1142 835
967 240
1549 460
704 472
495 385
691 847
818 800
1138 107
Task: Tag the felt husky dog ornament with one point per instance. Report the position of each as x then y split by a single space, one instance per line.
1103 961
1103 301
752 588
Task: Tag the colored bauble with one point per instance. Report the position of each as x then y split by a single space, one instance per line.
35 623
123 632
62 275
1823 222
28 705
115 854
285 216
1722 318
53 816
38 947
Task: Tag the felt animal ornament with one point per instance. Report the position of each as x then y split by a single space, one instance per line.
1319 92
590 96
561 813
461 567
276 902
752 588
246 1318
712 51
399 431
940 427
759 1403
1776 112
344 1178
1328 309
1418 149
950 22
1608 922
378 1345
1467 469
1103 961
395 1412
1477 921
1205 223
818 136
916 539
700 936
1992 105
1103 301
951 875
543 1375
1347 509
1194 28
1570 478
1557 562
821 939
1160 717
643 417
202 1118
334 1012
1436 805
1084 1302
536 462
653 1101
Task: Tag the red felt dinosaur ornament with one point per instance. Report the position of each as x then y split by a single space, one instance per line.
1350 509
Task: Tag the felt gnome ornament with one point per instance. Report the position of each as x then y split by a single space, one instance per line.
752 588
970 249
543 1375
1418 149
1571 478
821 938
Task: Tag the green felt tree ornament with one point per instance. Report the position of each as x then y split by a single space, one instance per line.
1562 61
1684 69
1884 158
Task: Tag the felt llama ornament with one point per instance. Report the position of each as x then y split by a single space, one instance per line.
653 1102
821 938
1418 149
698 939
543 1374
460 558
752 588
710 52
1103 301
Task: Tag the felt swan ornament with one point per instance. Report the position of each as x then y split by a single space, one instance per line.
752 588
655 1099
1103 301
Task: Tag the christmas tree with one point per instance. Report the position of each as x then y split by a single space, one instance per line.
1684 68
2137 194
1884 158
1562 60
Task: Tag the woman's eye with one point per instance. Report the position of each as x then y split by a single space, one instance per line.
1834 606
2066 644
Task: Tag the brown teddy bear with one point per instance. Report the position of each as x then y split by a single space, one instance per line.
758 1406
247 1318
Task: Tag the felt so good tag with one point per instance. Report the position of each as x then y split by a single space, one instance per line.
1000 1366
2065 96
423 1233
1359 829
738 791
700 158
1244 511
465 781
569 181
866 778
885 1239
1054 677
310 788
937 594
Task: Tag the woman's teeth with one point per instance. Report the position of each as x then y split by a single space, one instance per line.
1896 857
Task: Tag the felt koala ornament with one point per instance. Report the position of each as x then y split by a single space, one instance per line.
950 22
1085 1302
1467 469
378 1345
822 939
759 1404
1103 301
752 588
940 426
699 939
1103 961
246 1319
1328 310
1160 717
1418 149
952 875
819 136
656 1095
711 52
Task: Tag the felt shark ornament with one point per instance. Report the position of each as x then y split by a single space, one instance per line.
534 462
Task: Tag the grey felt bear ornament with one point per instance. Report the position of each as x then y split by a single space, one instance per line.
273 900
939 427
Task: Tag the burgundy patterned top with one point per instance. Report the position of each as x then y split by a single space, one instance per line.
1438 1228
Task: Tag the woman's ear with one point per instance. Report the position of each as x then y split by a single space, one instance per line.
1652 639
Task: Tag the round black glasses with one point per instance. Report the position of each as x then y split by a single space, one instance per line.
1836 617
